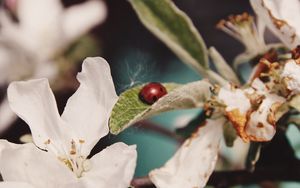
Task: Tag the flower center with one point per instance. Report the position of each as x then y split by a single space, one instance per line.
73 158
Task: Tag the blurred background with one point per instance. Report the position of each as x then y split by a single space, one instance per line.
136 57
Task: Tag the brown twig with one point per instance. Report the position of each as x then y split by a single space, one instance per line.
277 172
142 182
150 126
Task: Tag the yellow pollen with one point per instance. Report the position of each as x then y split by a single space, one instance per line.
47 142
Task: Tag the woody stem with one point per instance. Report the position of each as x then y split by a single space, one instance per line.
282 172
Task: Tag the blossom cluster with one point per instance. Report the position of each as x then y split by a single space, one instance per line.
254 109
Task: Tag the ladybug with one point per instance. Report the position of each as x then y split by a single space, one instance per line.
151 92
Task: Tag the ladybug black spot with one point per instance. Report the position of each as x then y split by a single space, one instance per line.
151 92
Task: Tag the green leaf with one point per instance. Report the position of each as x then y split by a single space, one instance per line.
175 29
222 66
229 134
129 109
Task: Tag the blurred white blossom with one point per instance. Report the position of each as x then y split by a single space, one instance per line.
43 29
62 144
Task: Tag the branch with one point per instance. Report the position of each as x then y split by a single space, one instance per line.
149 126
277 172
142 182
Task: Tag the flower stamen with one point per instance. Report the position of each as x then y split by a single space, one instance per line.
242 27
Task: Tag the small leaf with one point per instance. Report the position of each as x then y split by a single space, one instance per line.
295 119
130 109
229 134
175 29
253 155
222 66
295 102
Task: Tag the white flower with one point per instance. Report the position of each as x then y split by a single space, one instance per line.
252 110
67 139
44 29
261 123
195 160
282 18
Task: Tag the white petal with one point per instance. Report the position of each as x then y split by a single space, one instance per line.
5 60
15 185
234 99
33 101
26 163
40 27
14 64
7 116
35 14
258 127
259 86
112 167
9 30
261 27
235 155
88 110
274 14
291 72
79 19
289 12
194 162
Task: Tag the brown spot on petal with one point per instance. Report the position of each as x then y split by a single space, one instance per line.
260 125
271 116
255 100
239 122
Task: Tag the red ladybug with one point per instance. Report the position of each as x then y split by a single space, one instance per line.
151 92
